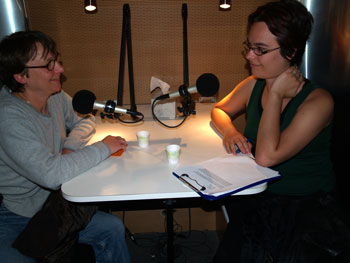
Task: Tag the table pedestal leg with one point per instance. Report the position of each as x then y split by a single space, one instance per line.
170 230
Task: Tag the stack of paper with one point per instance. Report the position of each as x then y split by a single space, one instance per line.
222 176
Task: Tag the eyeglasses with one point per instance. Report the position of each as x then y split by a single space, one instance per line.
50 65
259 51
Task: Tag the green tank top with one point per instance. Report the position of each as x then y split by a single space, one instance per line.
311 169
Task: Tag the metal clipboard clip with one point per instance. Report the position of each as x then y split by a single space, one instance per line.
202 188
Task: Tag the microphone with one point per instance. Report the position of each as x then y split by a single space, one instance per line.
84 101
206 85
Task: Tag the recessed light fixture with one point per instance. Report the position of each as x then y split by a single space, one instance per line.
90 5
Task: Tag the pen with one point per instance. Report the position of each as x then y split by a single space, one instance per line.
237 149
250 155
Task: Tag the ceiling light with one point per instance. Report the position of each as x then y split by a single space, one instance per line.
90 5
225 4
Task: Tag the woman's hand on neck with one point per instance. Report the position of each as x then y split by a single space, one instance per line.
286 85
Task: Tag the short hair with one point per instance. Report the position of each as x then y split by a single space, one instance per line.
16 50
290 22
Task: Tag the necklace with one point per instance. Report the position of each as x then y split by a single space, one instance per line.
21 96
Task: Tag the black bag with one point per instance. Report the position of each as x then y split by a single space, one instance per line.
52 233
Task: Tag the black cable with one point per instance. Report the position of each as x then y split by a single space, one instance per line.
117 116
134 121
155 117
127 231
189 221
185 245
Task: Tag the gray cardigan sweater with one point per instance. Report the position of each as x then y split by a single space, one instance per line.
31 162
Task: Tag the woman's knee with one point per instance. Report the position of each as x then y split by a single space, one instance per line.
104 226
110 222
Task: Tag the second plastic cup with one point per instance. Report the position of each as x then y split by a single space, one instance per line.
173 153
143 138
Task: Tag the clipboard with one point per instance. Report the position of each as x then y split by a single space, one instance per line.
223 176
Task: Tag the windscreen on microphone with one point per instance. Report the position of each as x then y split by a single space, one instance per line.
83 101
207 84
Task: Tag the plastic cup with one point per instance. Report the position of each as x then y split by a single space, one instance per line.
143 138
173 153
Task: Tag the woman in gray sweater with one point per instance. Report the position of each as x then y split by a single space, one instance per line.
37 154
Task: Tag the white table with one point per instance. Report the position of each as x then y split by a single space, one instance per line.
144 174
141 174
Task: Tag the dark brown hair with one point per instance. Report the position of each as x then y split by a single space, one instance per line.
16 50
290 22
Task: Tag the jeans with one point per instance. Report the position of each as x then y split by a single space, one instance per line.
105 233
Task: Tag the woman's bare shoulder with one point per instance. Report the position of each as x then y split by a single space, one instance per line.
320 96
246 86
319 103
248 82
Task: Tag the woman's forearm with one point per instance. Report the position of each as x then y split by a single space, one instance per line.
269 131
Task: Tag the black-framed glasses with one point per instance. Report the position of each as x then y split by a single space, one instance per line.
50 65
259 51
